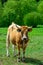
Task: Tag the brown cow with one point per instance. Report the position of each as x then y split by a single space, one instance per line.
19 37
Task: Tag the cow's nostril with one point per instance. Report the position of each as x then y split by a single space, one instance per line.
25 38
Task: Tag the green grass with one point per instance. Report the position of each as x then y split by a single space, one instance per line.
34 50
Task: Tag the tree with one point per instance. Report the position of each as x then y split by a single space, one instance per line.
32 19
3 1
15 10
40 7
1 12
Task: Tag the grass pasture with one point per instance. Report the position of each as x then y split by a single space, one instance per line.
34 50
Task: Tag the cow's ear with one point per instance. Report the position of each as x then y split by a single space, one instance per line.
30 28
19 30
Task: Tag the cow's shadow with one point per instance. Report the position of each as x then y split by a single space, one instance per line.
33 61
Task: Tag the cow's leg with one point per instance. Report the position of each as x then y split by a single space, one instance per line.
23 54
7 45
14 50
18 54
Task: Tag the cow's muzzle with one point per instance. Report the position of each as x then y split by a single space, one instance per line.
24 39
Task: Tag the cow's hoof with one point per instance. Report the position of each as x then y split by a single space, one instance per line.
15 55
23 59
18 60
8 55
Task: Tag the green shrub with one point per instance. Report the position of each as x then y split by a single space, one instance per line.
32 19
12 12
15 10
1 11
28 6
40 7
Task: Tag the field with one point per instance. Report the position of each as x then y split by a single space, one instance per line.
34 50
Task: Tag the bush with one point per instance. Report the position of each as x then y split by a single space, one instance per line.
32 19
40 7
1 11
28 6
12 13
15 11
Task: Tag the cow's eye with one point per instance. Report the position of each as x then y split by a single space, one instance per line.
19 30
29 28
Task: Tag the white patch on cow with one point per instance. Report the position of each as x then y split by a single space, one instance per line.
18 26
7 52
14 49
7 44
14 25
7 49
24 36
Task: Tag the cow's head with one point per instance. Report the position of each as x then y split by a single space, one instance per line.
24 31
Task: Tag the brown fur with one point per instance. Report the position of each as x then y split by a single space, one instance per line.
16 38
